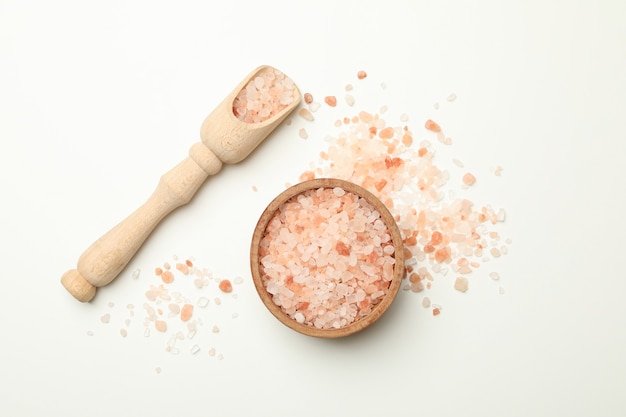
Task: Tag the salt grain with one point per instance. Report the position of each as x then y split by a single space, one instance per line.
349 100
105 318
306 114
303 133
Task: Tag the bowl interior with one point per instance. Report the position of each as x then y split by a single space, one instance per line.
257 269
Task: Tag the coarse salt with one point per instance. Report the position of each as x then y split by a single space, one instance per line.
325 258
264 96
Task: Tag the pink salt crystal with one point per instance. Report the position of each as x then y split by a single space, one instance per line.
469 179
361 74
305 114
105 318
461 284
303 133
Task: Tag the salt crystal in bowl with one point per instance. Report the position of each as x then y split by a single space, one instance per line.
327 258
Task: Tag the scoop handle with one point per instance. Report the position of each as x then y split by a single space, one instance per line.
102 262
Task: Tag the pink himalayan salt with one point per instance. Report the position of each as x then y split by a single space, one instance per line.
327 258
437 230
265 95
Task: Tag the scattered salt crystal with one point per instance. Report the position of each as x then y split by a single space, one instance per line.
348 87
461 284
157 370
215 329
111 304
195 349
220 356
123 332
451 97
212 352
105 318
494 276
308 98
235 315
203 302
404 117
238 280
361 74
315 106
303 133
469 179
305 114
436 106
330 100
89 333
458 163
501 290
217 301
425 302
136 273
254 188
349 100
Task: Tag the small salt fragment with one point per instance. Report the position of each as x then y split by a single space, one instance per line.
303 133
215 329
254 188
494 276
458 163
361 75
461 284
123 332
105 318
212 352
426 302
89 333
235 315
348 87
220 356
436 106
225 286
501 290
203 302
306 114
146 332
111 304
451 97
383 109
469 179
383 85
308 98
315 106
330 100
238 280
195 349
501 215
157 370
349 100
497 171
404 117
136 273
218 301
432 126
495 252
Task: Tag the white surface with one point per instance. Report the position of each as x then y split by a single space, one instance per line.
97 101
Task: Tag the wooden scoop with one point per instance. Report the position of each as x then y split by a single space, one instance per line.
225 140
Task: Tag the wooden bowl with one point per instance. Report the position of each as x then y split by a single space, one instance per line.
257 269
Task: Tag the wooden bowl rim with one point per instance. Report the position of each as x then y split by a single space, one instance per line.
387 218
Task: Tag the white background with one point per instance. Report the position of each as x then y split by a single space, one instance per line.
98 99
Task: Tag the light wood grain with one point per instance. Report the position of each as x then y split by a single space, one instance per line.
225 140
255 265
